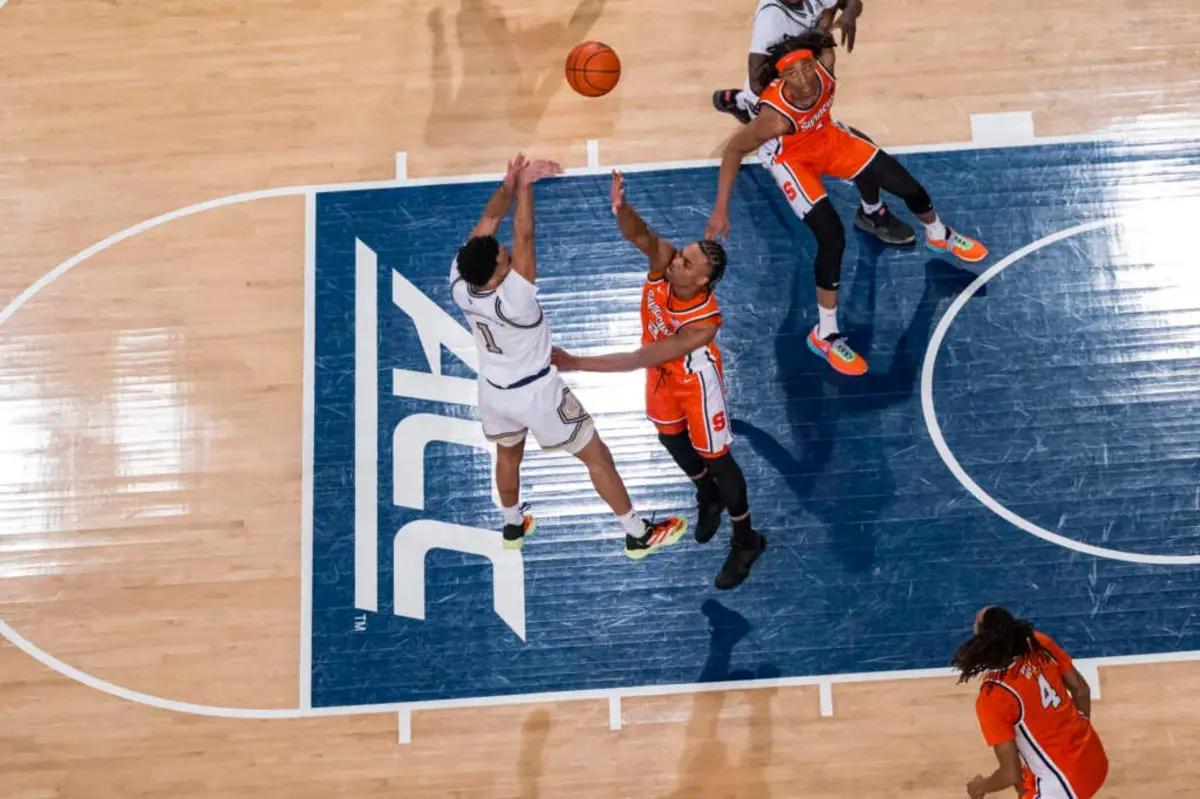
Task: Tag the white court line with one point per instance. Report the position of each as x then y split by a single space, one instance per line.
825 698
50 661
404 733
366 428
614 712
1005 128
593 154
402 167
304 680
943 449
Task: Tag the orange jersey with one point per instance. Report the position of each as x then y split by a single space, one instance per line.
664 315
1030 704
807 123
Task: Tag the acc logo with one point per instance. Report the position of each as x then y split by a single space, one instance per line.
411 435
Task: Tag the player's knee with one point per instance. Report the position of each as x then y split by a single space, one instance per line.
831 244
827 228
918 200
730 482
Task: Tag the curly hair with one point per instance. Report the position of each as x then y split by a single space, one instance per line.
477 259
717 260
817 41
1000 642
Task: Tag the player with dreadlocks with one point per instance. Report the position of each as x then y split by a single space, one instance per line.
1033 708
685 382
799 143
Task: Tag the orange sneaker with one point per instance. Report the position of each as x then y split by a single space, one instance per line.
960 246
837 352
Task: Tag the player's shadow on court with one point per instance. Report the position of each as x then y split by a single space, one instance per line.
706 755
505 73
849 494
534 732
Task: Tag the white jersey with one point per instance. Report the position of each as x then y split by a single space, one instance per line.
510 330
775 20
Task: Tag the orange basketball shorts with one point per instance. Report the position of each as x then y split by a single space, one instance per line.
835 151
693 402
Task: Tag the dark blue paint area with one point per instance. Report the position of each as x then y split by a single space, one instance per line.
1067 387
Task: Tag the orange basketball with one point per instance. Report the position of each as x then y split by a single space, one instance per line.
593 69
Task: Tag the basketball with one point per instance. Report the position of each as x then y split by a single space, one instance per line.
593 69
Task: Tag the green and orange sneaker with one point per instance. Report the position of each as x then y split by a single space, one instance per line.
834 349
515 534
960 246
657 535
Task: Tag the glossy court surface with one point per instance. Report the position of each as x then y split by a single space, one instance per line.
215 275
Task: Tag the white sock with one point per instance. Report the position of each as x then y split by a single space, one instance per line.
633 524
935 229
513 515
828 324
870 208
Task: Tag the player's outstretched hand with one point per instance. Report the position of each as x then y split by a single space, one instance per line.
718 226
849 27
616 192
515 165
562 360
541 168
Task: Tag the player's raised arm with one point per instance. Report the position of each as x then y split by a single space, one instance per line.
847 22
770 124
524 256
688 339
500 203
634 228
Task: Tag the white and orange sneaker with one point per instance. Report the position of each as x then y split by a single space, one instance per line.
657 535
960 246
834 349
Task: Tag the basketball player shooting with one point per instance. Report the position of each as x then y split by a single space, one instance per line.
519 389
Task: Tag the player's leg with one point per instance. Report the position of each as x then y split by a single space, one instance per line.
676 441
873 215
560 422
805 193
889 174
508 434
517 525
703 400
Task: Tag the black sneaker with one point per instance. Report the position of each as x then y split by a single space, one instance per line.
514 534
884 226
725 101
738 562
708 520
657 535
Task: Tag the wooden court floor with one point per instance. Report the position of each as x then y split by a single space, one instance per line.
150 403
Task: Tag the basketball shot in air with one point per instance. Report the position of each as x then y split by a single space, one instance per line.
593 69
